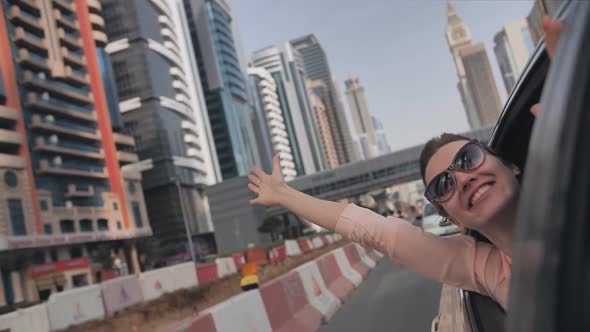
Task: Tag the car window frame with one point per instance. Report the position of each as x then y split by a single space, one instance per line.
553 200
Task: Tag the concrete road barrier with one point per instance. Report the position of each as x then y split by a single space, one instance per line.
287 306
244 312
347 270
333 276
185 276
120 293
318 294
29 319
292 248
304 245
368 261
156 282
354 258
206 273
75 306
317 242
225 266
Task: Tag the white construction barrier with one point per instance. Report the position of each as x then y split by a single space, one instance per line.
225 266
244 312
310 244
75 306
337 237
185 275
330 238
318 295
293 248
364 257
317 242
28 319
347 270
155 283
120 293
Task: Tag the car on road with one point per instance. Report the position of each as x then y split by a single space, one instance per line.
434 223
550 284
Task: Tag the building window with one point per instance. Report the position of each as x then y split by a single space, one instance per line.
119 225
131 188
103 225
17 217
67 226
137 215
86 225
10 179
115 206
43 205
54 256
38 257
75 252
47 229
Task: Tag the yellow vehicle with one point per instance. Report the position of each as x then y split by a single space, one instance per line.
249 276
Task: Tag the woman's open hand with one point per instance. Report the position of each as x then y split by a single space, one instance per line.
266 186
552 29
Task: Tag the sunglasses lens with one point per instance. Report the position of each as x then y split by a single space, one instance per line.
470 158
441 187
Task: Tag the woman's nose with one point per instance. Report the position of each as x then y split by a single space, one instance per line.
464 180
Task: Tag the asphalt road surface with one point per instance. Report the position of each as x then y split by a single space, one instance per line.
391 298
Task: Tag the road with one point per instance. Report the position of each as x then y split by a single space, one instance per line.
391 299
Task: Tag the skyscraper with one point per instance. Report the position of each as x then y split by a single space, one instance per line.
318 92
361 118
513 47
163 107
224 83
476 82
62 190
285 65
317 68
382 143
269 124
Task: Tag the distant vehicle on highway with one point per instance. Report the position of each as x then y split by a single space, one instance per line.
434 223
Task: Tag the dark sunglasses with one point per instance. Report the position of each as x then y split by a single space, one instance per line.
442 187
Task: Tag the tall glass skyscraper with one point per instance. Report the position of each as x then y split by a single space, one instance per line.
318 68
286 67
224 83
163 107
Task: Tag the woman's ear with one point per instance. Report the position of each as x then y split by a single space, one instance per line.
515 170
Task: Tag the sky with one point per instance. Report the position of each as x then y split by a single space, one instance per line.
396 48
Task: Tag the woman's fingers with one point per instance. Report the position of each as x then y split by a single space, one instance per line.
254 201
254 179
259 173
535 109
254 188
552 31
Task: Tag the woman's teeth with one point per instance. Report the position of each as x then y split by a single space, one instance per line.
480 193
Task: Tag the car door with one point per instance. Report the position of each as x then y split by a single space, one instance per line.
550 288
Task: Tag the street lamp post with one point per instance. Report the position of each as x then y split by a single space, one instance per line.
186 226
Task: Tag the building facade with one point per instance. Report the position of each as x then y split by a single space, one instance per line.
224 83
162 106
64 184
382 142
286 67
269 124
318 93
480 107
366 139
318 68
513 47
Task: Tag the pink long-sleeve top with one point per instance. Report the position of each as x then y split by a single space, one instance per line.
458 261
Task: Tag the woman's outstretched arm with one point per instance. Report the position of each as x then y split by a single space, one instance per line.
273 190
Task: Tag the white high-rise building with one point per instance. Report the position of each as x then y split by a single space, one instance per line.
366 140
285 65
513 47
271 133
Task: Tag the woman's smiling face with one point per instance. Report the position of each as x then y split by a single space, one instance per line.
480 195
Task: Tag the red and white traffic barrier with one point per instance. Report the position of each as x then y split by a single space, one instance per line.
206 272
369 262
287 305
293 248
226 266
335 280
318 294
354 259
317 242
